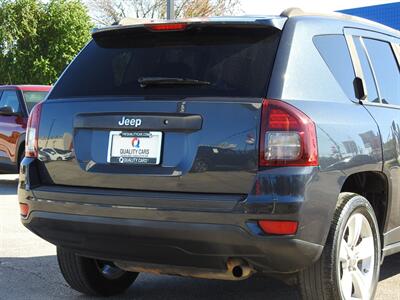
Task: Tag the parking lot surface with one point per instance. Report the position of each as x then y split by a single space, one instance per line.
29 270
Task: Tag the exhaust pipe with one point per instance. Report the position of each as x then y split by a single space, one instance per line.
239 268
236 269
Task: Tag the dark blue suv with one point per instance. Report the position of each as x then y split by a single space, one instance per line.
221 148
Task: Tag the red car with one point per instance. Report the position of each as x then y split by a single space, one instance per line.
16 101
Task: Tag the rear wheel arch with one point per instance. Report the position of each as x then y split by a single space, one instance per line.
374 186
21 153
20 148
377 195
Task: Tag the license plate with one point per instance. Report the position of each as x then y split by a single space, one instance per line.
139 148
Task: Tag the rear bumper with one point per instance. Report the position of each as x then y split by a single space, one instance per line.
201 238
184 229
174 243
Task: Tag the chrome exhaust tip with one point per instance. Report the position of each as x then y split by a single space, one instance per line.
239 268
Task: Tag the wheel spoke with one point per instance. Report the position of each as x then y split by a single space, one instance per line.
355 229
361 289
346 283
344 251
365 249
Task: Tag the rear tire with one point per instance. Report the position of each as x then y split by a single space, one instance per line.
93 277
350 262
21 156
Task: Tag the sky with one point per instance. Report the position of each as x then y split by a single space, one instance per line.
266 7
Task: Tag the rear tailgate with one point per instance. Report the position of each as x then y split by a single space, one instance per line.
109 131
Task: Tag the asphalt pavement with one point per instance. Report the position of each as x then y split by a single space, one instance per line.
29 270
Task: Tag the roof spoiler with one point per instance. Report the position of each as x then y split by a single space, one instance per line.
130 23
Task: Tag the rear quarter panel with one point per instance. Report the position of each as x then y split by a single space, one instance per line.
348 137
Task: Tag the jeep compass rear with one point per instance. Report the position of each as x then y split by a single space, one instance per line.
205 148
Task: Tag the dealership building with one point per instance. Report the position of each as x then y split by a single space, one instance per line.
388 14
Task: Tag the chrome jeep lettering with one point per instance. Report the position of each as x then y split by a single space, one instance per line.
130 122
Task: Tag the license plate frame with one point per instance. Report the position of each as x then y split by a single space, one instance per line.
134 147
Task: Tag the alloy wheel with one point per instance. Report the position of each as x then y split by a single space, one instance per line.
356 259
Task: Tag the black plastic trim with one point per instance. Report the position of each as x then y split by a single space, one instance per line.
148 121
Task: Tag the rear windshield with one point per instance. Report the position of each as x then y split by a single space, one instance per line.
232 61
32 98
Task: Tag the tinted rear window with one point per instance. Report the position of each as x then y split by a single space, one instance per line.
333 49
236 61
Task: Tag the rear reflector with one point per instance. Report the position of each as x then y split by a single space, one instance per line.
167 27
278 227
24 209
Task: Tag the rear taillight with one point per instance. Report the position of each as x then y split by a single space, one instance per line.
288 136
167 27
32 132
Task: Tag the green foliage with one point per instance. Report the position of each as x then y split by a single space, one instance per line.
38 40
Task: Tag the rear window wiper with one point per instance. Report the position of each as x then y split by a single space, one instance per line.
147 81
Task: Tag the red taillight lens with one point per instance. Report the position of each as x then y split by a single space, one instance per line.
279 119
24 209
278 227
32 132
167 27
288 137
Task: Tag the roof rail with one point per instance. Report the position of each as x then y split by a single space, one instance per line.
295 12
292 12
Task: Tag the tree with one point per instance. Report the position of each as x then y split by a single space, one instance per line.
38 39
206 8
106 12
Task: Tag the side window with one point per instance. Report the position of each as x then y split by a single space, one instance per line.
333 49
386 70
372 93
10 98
